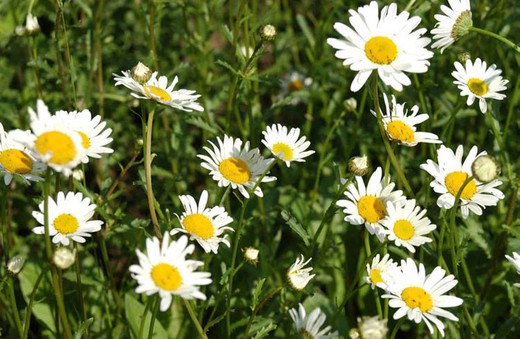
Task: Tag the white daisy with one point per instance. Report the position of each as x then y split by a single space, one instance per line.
230 164
94 135
370 328
385 43
366 205
400 126
205 225
54 141
453 25
164 269
406 225
299 276
450 173
310 326
16 159
68 219
157 89
420 296
286 145
477 81
379 271
293 83
515 260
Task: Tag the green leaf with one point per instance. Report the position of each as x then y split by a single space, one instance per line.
199 122
83 328
256 293
134 311
264 331
306 30
295 226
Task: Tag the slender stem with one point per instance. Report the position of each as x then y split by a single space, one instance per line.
496 36
154 315
194 319
116 182
80 289
148 173
396 328
143 317
4 221
14 305
28 311
152 34
108 274
368 251
258 307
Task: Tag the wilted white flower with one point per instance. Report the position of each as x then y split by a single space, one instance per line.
299 276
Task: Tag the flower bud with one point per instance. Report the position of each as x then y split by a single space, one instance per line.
63 257
462 57
358 165
141 73
15 264
485 168
267 32
350 104
251 255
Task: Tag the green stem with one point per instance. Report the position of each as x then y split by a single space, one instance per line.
28 311
152 34
14 305
148 173
194 319
143 317
258 307
154 315
80 289
4 221
368 251
396 328
496 36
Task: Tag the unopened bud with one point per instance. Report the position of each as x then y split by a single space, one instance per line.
141 73
350 104
63 257
485 168
358 165
267 32
251 255
15 264
462 57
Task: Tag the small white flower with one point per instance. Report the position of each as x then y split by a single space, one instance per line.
450 173
164 269
31 26
251 255
299 276
379 271
286 144
230 164
515 260
15 264
309 327
477 81
203 224
358 165
421 297
453 25
68 219
367 205
291 85
141 73
370 328
63 257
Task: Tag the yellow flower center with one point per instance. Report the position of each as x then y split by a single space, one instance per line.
198 225
403 229
234 170
59 144
398 130
283 151
15 161
477 86
417 297
166 277
371 208
381 50
65 223
85 140
295 85
157 92
454 181
375 276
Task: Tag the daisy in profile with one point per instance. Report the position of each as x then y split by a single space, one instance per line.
400 126
285 144
147 85
93 132
515 260
386 43
453 24
310 326
69 218
477 81
379 271
54 141
230 164
406 225
299 276
203 224
367 204
449 175
16 159
421 297
164 269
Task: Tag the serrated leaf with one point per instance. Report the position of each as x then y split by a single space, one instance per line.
256 293
264 331
228 66
295 226
199 122
83 328
475 231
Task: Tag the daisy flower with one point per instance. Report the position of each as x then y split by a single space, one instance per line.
400 126
156 88
16 159
421 297
203 224
286 145
515 260
164 269
230 164
94 135
406 225
292 83
379 271
366 204
310 326
54 141
453 25
68 219
477 81
386 43
299 276
450 173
